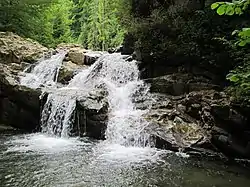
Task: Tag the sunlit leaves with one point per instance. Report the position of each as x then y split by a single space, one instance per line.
240 77
227 8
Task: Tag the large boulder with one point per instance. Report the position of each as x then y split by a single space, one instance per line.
15 49
76 55
201 121
175 130
92 115
19 105
91 56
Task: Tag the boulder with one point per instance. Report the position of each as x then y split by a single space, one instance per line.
67 46
19 105
15 49
67 71
173 129
200 121
76 55
92 115
179 83
91 56
81 56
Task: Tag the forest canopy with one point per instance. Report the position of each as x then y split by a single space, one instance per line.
92 23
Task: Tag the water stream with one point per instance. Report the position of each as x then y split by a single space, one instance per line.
126 158
45 73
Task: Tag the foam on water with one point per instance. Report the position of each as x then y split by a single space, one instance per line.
125 155
42 143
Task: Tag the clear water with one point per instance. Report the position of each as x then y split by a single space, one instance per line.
38 160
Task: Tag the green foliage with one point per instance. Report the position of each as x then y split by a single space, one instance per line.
240 76
93 23
46 21
55 22
20 15
240 79
100 25
235 8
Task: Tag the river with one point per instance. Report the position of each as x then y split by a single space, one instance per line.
40 160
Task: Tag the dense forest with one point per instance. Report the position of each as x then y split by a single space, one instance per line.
91 23
168 31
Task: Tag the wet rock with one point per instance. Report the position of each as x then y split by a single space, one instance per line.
179 83
232 147
91 56
92 115
78 55
19 106
67 46
5 128
167 84
176 134
15 49
208 115
67 71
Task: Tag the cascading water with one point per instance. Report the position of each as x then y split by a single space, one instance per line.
57 114
126 125
121 79
44 73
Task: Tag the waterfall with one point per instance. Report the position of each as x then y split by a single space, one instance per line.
120 77
57 114
45 73
126 124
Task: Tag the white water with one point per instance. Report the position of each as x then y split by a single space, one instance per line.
126 140
45 73
120 78
57 114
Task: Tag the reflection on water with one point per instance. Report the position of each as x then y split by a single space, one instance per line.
38 160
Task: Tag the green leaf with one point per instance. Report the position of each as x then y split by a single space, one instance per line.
221 10
230 10
242 43
214 6
238 10
233 78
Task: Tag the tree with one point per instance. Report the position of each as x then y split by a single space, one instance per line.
100 25
240 76
56 24
19 15
46 21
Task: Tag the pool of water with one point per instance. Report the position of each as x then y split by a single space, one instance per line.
39 160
